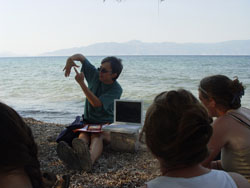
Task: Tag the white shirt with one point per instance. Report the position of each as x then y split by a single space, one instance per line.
213 179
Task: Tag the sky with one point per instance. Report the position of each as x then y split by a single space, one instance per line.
32 27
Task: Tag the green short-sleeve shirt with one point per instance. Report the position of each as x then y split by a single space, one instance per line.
105 92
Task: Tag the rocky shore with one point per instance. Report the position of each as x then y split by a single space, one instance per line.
113 169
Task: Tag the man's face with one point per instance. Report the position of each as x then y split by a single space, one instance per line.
105 73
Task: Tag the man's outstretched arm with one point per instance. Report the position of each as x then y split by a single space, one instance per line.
93 100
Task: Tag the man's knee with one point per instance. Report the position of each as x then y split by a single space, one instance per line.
84 136
96 136
106 137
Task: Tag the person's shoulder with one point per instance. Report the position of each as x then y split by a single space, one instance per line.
229 122
224 128
116 85
86 61
239 180
87 64
222 121
241 110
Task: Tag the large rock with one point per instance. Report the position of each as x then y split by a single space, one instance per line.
124 142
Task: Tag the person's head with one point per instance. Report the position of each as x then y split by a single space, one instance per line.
18 149
177 129
220 92
110 69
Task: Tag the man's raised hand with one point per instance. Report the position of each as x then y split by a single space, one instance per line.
69 64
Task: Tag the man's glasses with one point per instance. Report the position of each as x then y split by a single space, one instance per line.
203 90
103 70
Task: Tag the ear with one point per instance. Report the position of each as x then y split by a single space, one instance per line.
114 75
212 102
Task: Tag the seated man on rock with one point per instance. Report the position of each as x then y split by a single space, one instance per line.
100 93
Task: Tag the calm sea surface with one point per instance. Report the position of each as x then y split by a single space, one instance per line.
36 86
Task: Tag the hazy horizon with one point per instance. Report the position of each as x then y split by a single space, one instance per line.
136 47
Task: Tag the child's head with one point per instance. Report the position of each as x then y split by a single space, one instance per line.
177 129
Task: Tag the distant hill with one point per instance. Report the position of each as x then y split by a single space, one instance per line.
135 47
236 47
8 54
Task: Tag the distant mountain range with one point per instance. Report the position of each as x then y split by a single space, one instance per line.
236 47
9 54
135 47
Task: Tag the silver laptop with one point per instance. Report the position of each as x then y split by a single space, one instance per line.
128 116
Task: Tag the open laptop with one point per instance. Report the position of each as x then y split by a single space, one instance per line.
128 116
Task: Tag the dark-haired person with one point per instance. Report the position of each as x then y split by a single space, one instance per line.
19 165
100 93
231 130
177 129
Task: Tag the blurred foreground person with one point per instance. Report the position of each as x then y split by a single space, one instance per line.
19 165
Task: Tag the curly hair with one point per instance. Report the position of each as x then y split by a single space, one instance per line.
177 129
226 92
18 147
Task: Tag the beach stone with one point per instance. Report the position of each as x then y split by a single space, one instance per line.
124 142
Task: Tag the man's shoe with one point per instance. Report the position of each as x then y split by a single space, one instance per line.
82 151
67 155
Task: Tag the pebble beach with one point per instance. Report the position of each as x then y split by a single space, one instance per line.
113 169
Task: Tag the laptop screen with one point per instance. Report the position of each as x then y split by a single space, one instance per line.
128 111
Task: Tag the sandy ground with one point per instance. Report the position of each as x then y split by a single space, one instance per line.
113 169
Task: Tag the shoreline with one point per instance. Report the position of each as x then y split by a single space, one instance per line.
112 169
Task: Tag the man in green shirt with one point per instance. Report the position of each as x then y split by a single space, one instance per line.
100 93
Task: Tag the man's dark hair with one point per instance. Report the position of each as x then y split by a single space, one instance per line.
115 63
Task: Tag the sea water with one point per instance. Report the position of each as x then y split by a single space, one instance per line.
36 86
